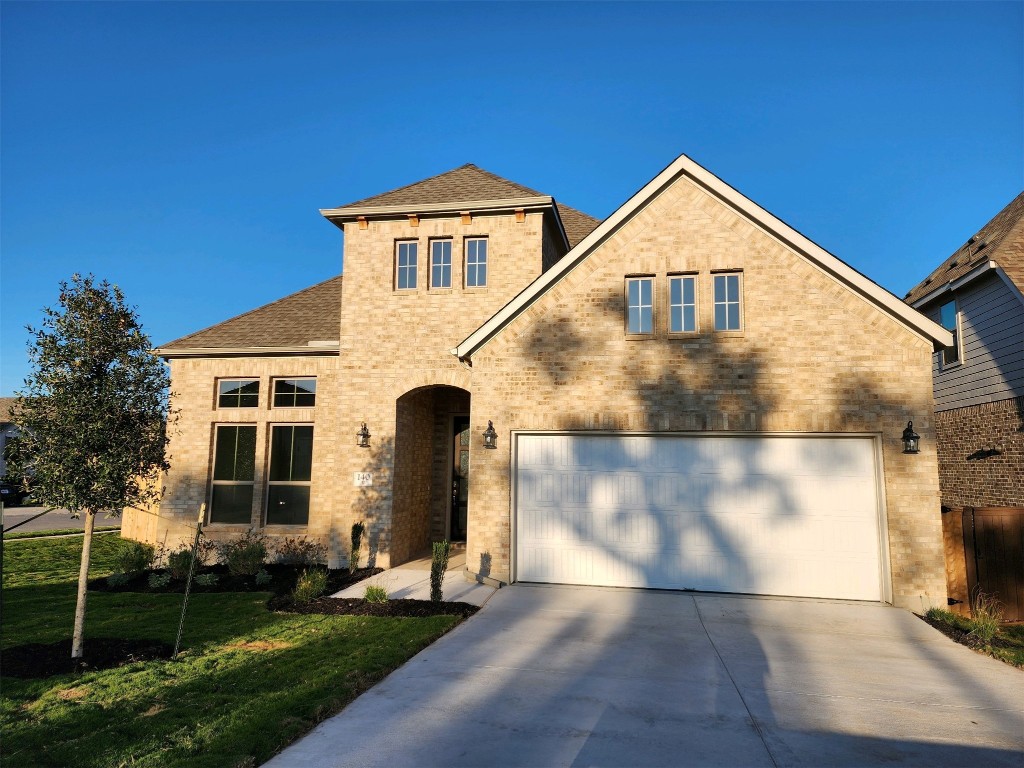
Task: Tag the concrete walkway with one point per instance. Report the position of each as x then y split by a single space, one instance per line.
411 581
577 676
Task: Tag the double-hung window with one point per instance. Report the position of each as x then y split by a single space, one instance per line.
291 470
949 319
295 393
728 302
640 305
476 262
441 264
682 299
238 393
405 265
234 467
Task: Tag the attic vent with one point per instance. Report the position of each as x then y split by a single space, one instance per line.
953 263
927 280
981 244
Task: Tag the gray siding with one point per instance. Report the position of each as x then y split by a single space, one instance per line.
991 347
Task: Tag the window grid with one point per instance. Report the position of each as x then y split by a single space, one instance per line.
476 263
238 393
295 393
406 258
728 315
234 474
289 479
682 304
640 305
441 264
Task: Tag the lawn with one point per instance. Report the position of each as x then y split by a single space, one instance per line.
248 683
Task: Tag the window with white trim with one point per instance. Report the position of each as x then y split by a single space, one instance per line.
441 264
234 469
238 393
728 300
682 303
406 260
291 471
476 262
639 305
949 318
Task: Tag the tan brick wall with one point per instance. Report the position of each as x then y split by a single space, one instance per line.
813 358
981 454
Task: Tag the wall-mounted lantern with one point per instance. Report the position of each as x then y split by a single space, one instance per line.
363 437
911 440
490 436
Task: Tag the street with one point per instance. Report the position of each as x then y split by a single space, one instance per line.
57 519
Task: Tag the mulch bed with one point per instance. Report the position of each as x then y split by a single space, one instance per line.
964 637
35 660
357 606
283 578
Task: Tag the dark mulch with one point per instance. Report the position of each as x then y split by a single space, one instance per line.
964 637
282 582
35 660
357 606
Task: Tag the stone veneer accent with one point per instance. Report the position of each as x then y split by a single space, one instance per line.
970 473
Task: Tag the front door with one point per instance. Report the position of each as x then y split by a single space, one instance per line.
460 478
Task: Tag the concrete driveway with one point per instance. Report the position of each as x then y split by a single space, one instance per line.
584 676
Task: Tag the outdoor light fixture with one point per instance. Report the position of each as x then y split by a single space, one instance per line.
363 437
911 440
490 436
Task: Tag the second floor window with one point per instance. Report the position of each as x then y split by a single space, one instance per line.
405 265
640 305
476 263
441 264
728 303
294 393
682 304
948 319
238 393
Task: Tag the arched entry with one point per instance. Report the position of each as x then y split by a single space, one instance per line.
431 474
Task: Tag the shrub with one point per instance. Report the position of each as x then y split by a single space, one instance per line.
245 555
119 579
357 538
178 562
296 551
207 579
438 566
311 584
375 593
986 616
262 577
133 557
159 580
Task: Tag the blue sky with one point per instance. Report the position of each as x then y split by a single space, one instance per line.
181 150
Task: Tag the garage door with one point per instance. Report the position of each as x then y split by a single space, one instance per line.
761 515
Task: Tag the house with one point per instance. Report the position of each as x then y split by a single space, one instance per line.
689 394
978 295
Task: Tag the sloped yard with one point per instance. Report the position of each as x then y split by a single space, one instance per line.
248 683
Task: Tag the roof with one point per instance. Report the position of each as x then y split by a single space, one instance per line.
463 186
1001 241
684 166
295 323
7 409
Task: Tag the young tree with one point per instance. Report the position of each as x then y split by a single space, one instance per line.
92 412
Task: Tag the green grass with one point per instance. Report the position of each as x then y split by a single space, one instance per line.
249 682
1007 644
57 532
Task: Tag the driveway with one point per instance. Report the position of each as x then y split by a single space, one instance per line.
582 676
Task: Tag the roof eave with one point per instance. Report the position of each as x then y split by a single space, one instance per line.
953 285
352 213
770 224
320 348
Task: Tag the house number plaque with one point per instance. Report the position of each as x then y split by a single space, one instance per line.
362 479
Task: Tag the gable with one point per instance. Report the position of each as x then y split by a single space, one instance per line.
842 276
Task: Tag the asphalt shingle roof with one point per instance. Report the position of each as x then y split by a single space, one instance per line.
469 183
1003 239
312 314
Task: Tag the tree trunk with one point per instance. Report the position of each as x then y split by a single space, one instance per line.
83 586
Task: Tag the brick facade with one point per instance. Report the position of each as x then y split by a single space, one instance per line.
981 454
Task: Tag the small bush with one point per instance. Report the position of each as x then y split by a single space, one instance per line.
179 561
375 593
438 566
986 616
159 580
245 555
119 579
262 577
357 538
311 584
207 579
133 557
296 551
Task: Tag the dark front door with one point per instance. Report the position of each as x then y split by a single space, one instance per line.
460 478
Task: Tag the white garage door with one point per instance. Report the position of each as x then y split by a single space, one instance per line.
761 515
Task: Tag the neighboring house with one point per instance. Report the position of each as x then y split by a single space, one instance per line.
687 395
979 404
8 430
